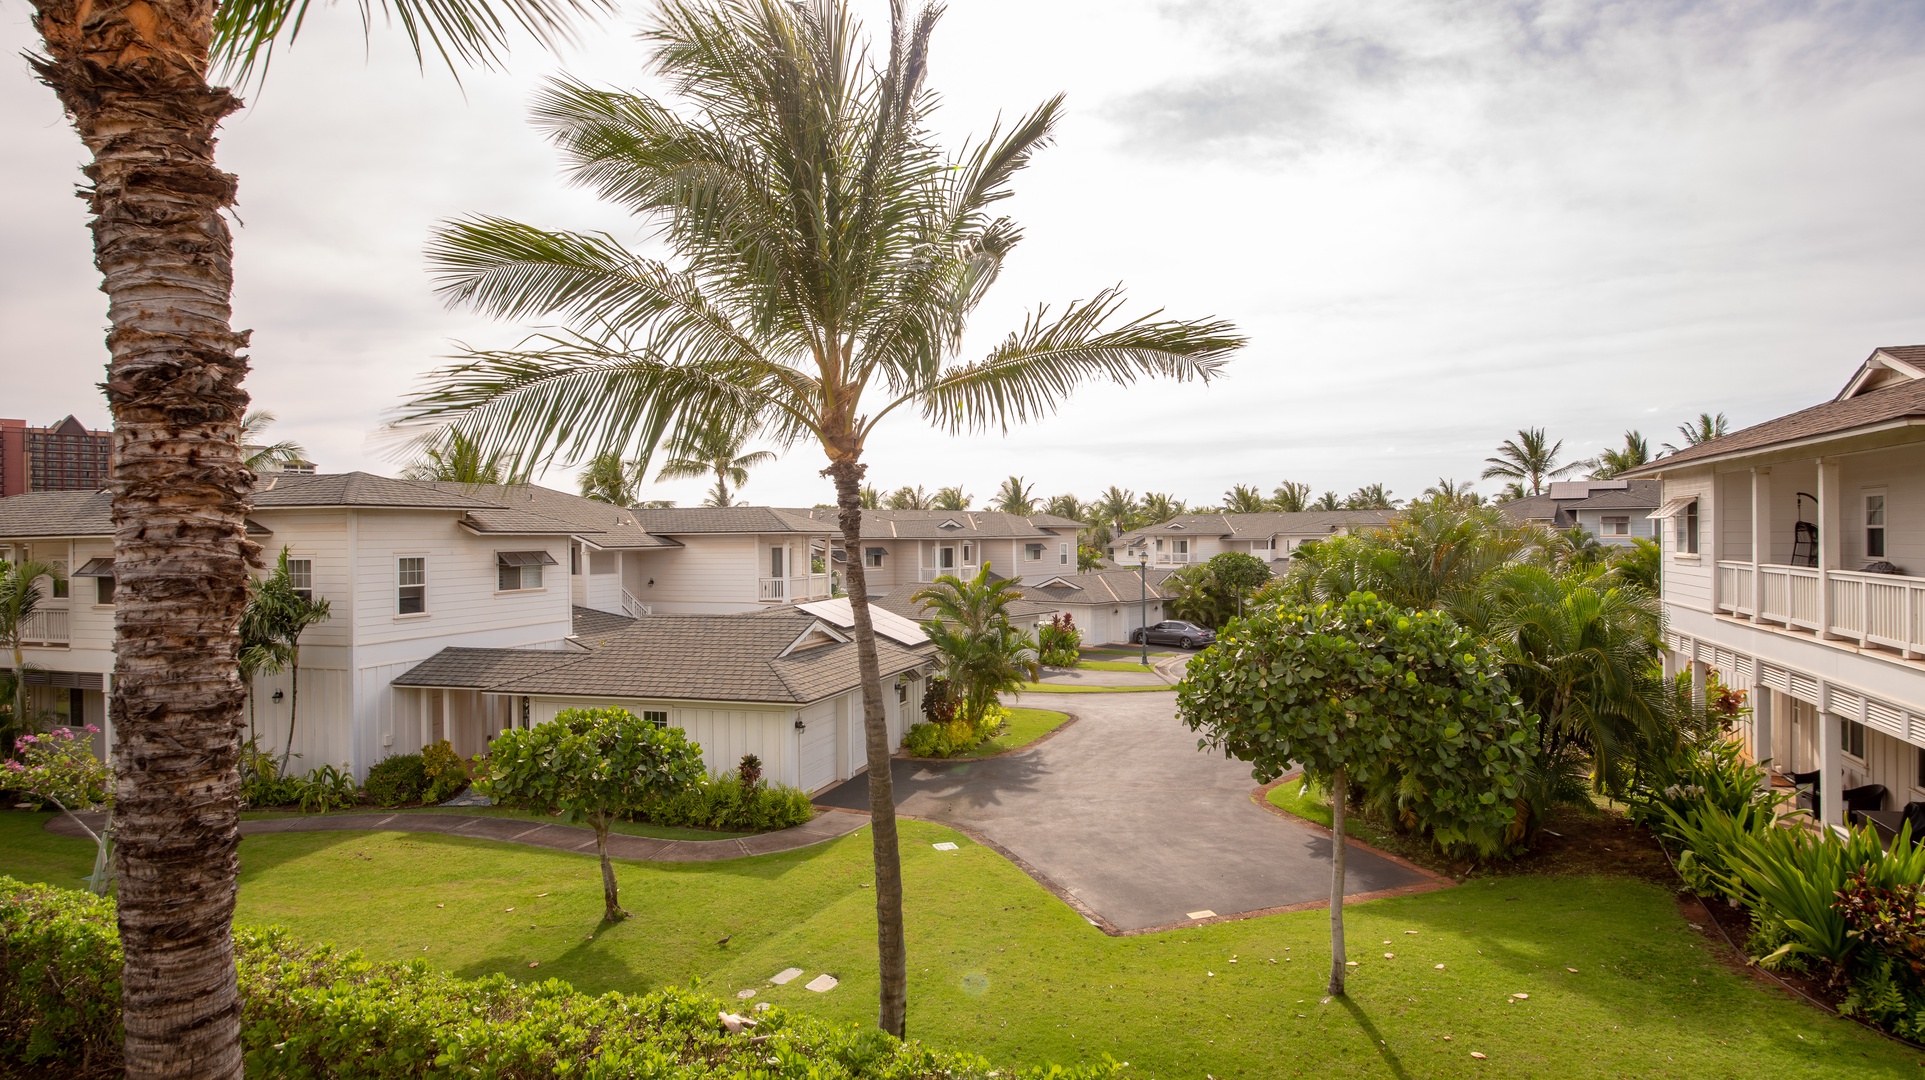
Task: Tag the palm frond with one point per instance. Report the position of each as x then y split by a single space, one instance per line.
1035 368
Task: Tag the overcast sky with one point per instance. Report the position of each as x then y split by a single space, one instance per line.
1437 223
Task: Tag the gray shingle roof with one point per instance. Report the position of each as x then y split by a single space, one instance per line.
676 657
593 627
691 520
928 524
1642 494
519 506
900 600
1897 401
361 489
1101 587
1261 526
57 513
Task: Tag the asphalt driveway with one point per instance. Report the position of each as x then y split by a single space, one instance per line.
1122 811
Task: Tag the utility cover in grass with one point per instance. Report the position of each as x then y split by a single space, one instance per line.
821 984
946 845
785 976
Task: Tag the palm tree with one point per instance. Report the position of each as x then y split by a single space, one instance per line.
1015 497
829 255
1066 506
1448 492
982 655
1116 508
457 459
1290 497
1512 492
1610 463
1371 497
1531 458
715 449
1329 500
871 498
20 599
280 615
1158 508
607 478
256 453
1705 428
134 81
952 498
1243 499
910 498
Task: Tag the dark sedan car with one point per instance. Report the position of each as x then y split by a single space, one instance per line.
1176 632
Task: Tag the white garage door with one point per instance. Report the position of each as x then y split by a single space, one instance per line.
818 746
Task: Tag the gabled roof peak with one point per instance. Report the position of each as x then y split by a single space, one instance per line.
1886 365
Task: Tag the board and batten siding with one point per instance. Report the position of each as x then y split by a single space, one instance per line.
725 731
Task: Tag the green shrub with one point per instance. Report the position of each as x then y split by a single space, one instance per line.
721 802
311 1012
928 741
1057 642
326 788
261 781
396 781
446 770
957 735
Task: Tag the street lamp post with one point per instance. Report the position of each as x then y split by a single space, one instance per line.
1143 618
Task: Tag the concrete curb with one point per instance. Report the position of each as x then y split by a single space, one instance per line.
828 824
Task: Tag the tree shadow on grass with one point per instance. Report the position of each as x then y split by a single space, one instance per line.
1364 1024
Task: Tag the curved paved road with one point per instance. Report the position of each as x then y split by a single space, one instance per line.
1121 811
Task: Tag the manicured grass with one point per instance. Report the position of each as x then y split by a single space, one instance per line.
1078 688
626 828
1113 665
1025 726
999 966
1314 805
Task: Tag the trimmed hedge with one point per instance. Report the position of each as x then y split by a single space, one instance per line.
316 1012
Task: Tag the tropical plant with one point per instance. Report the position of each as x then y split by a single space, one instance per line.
1015 497
1290 497
981 654
715 449
1244 499
1329 500
1530 459
1641 564
1065 506
829 254
280 615
1058 641
1448 492
1511 492
1705 428
1159 507
1089 557
1574 550
1430 555
952 498
1371 497
396 780
909 498
457 459
61 768
1609 463
1116 508
607 478
257 453
1402 703
1214 592
20 600
594 765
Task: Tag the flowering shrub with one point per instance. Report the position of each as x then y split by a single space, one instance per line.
62 769
955 735
315 1012
1057 641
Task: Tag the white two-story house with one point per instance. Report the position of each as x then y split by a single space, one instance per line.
1794 565
915 547
1195 538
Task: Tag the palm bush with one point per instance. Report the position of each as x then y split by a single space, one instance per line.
1057 642
981 654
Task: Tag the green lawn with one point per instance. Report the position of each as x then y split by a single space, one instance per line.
1025 726
1314 805
1113 665
1001 967
626 828
1078 688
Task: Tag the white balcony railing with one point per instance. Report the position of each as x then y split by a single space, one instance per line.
791 590
931 573
634 608
48 626
1887 610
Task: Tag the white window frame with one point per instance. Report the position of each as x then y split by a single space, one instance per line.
1883 528
1033 552
1690 529
968 553
1063 553
1607 522
307 569
658 717
401 584
104 591
950 550
872 557
778 561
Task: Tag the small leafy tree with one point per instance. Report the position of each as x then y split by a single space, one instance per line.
62 769
982 654
1238 575
1363 692
20 598
594 765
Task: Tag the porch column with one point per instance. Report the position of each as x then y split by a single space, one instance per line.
1699 671
1761 734
1831 764
1831 519
1713 544
1760 539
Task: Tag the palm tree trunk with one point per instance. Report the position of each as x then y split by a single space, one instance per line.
892 950
1339 796
131 77
293 704
611 900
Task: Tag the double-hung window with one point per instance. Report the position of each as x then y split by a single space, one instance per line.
411 584
300 577
657 717
1852 736
1688 529
1062 553
1875 525
516 571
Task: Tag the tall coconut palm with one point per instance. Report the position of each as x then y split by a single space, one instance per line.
1159 507
1244 499
715 449
1290 497
952 498
607 478
134 79
1530 459
982 655
1066 506
828 255
1015 497
1329 500
1448 492
1705 428
871 498
257 453
1635 452
1370 497
1116 508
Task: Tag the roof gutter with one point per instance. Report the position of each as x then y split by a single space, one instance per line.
1656 470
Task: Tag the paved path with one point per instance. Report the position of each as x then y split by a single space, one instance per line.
1122 813
825 826
1090 677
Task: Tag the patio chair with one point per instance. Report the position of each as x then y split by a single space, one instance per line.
1806 784
1868 797
1915 817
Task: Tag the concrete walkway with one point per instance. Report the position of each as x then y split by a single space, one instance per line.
826 825
1122 816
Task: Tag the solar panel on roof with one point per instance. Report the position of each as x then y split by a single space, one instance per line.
887 623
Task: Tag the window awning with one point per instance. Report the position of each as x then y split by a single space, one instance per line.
1672 508
524 558
875 552
96 568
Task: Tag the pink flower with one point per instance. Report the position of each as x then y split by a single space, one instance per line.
27 740
16 766
92 730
